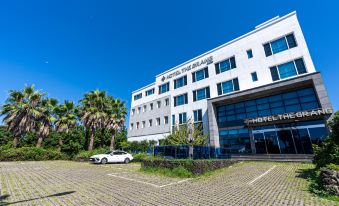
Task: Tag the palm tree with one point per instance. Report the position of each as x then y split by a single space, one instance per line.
116 118
45 119
21 111
66 119
93 113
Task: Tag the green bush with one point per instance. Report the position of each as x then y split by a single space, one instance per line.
30 154
88 154
332 167
139 157
176 172
328 151
195 167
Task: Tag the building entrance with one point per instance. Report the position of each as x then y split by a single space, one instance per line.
288 138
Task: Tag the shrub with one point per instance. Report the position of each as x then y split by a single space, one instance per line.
176 172
139 157
88 154
30 154
196 167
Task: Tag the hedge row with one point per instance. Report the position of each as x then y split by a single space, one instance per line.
30 154
196 167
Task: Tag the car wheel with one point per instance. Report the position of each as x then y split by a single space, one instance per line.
126 161
103 161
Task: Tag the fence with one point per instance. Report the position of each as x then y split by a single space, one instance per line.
182 152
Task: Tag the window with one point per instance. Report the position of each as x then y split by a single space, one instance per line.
151 105
167 102
133 111
143 125
145 108
131 127
197 114
166 119
279 45
180 100
200 75
164 88
139 110
173 119
150 123
227 87
158 104
201 94
158 121
138 96
180 82
149 92
288 69
137 125
182 118
254 76
249 54
225 65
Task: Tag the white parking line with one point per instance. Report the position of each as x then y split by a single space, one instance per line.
263 174
147 183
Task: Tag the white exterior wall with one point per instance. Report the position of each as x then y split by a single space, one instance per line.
254 40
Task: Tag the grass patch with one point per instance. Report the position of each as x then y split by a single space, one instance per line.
176 172
315 184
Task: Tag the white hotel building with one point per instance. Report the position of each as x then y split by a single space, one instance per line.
266 76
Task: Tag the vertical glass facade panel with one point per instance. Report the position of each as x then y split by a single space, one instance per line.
279 45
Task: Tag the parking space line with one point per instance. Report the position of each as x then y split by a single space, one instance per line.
260 176
147 183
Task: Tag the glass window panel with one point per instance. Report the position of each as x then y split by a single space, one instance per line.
293 108
310 98
291 41
263 106
266 112
278 110
227 87
250 103
201 94
317 134
291 101
262 100
275 98
231 117
276 104
225 65
310 105
251 108
241 116
274 73
305 92
239 105
287 70
230 107
251 114
289 95
279 45
199 75
300 66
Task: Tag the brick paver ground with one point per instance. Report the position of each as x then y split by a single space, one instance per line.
74 183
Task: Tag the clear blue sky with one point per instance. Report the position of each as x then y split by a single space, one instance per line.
67 48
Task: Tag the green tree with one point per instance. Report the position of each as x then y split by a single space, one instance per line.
21 111
66 119
116 118
328 151
45 119
179 136
93 113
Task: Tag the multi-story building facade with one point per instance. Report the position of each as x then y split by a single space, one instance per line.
259 93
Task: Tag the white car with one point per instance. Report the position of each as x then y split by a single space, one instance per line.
115 156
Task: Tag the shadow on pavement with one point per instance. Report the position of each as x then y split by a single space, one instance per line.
21 201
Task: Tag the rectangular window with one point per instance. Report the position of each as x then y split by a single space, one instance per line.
137 96
150 123
131 127
133 112
149 92
249 54
164 88
288 69
201 94
137 125
145 108
197 114
254 76
167 102
173 119
182 118
151 105
225 65
158 121
279 45
143 125
166 119
200 75
158 104
139 110
180 100
228 86
180 82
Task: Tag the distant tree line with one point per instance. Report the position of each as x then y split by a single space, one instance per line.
32 119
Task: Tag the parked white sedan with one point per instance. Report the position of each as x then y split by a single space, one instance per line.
115 156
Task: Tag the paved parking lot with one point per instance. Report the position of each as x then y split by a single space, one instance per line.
75 183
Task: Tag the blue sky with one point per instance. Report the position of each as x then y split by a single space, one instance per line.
67 48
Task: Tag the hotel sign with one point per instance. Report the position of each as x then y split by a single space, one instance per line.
205 61
288 116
